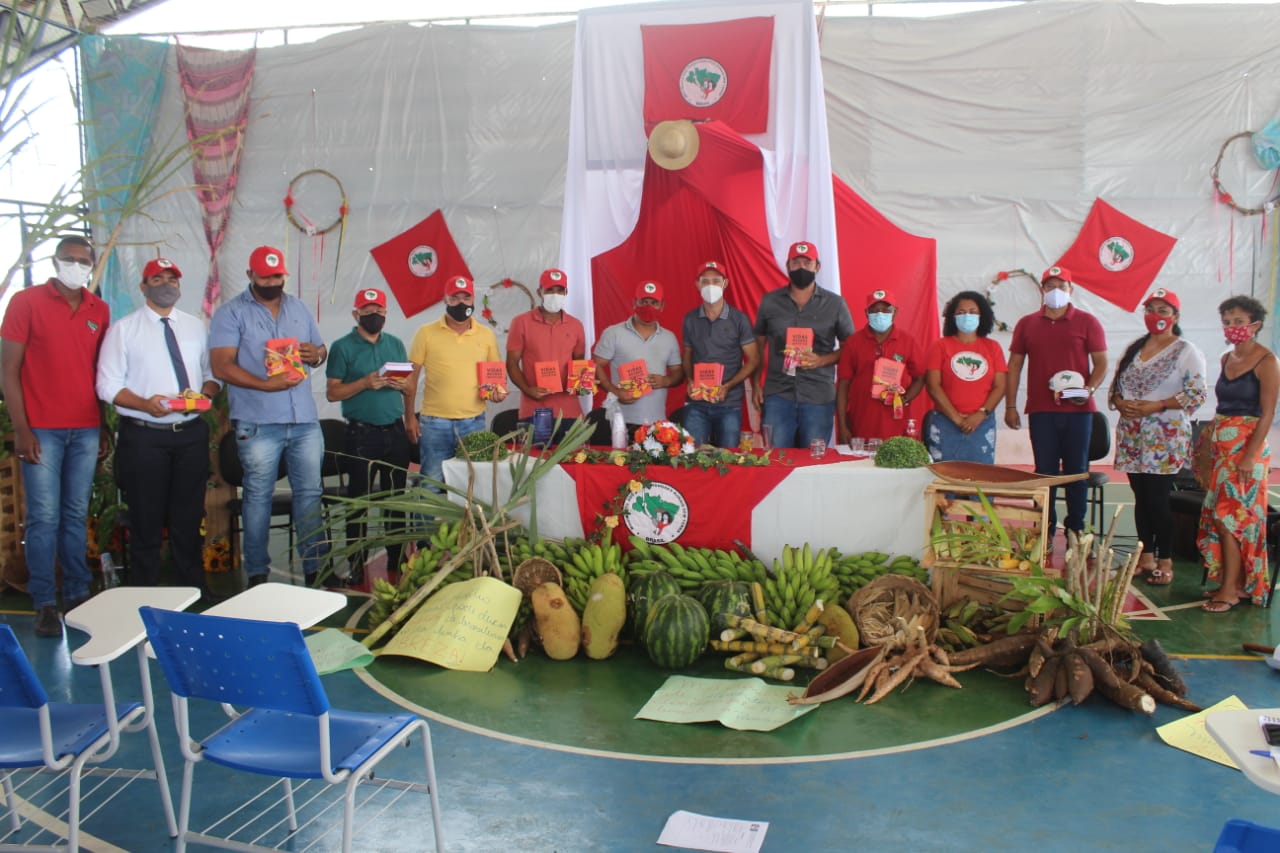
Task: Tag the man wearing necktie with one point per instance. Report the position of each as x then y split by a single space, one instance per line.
162 456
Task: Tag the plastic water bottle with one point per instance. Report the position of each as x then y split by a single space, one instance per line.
913 429
109 576
617 424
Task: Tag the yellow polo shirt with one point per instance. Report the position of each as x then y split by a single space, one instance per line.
450 386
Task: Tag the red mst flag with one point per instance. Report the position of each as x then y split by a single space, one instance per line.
1116 256
718 70
416 263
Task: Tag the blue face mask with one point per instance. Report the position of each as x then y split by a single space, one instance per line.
880 322
967 323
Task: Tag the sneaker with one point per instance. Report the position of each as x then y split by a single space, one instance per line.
49 622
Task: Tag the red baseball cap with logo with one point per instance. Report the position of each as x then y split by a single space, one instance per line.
649 290
1164 295
370 296
155 266
803 250
714 266
459 284
267 260
553 278
1056 271
885 296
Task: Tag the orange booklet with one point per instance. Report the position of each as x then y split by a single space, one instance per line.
582 376
634 376
799 340
491 376
887 373
283 358
547 375
707 377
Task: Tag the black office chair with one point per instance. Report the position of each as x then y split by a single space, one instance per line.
504 422
1099 447
603 434
232 472
333 473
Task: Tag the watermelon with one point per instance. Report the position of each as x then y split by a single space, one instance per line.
643 591
721 598
677 631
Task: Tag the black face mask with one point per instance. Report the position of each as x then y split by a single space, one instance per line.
801 277
267 294
372 323
459 312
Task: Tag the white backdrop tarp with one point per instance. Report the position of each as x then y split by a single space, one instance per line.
992 132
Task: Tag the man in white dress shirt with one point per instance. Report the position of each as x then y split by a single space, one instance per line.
162 456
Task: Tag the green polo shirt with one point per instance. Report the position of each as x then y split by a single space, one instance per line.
351 357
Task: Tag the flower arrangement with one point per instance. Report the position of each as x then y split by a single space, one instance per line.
663 440
217 556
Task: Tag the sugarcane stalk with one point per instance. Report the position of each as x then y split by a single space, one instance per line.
756 646
761 665
757 602
740 660
808 637
816 663
810 617
781 673
729 634
761 630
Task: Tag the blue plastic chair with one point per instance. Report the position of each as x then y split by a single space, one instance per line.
36 734
288 730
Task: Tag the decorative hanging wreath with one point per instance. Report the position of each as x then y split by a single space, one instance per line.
309 229
1226 197
507 283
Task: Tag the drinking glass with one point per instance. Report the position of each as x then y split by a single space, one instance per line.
818 448
767 431
858 445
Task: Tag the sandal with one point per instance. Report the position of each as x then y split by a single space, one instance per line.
1213 605
1159 577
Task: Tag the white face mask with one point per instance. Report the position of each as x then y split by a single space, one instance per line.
712 293
1056 299
72 274
553 302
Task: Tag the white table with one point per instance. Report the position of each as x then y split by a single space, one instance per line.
1237 732
281 602
111 620
852 505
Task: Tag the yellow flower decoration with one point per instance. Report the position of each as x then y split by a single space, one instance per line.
635 485
611 521
580 456
620 459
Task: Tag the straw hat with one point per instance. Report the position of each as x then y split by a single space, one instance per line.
673 145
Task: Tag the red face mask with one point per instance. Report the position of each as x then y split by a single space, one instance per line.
647 313
1157 324
1237 334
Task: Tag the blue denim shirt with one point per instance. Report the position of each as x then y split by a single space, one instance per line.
244 323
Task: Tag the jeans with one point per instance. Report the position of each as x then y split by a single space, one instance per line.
260 447
1151 513
796 424
946 443
366 447
719 425
438 440
57 498
1060 444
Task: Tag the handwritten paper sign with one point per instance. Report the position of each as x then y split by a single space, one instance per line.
547 373
460 627
333 650
1189 733
747 704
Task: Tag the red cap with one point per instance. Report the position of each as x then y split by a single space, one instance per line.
803 250
714 266
649 290
1056 271
553 278
880 296
460 284
1164 295
267 260
370 296
155 266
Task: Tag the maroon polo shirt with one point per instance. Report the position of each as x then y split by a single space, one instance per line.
1051 346
60 363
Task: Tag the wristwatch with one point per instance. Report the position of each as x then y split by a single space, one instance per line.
984 410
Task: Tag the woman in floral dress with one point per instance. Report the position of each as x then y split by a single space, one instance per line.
1159 384
1233 520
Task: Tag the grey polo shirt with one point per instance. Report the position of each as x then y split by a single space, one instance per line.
828 315
719 341
621 343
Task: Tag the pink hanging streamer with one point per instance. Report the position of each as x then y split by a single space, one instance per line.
215 90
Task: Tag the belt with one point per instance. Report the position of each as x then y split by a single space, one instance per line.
380 427
176 426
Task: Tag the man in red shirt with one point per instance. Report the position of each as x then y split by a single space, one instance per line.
51 337
548 336
1055 339
883 414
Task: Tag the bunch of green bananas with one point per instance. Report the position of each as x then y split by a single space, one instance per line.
967 623
418 569
692 567
855 571
586 562
800 578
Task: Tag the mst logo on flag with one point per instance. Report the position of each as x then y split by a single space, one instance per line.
1116 256
416 263
718 70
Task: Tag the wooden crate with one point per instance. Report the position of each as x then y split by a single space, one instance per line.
13 565
1020 507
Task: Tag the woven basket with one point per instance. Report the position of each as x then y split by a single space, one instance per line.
533 573
874 607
